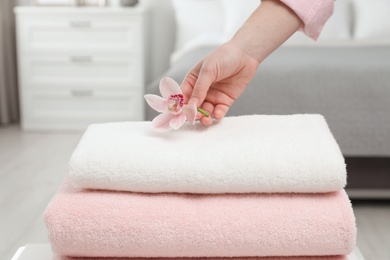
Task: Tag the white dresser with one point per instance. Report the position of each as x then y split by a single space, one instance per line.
80 65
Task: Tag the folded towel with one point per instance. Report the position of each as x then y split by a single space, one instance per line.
295 153
123 224
57 257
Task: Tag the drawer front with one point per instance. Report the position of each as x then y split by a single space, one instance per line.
77 108
80 32
56 72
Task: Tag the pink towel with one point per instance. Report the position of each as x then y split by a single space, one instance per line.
209 258
120 224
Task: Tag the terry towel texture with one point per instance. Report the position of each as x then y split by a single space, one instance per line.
259 153
57 257
123 224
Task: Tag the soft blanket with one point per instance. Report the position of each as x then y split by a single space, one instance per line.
294 153
123 224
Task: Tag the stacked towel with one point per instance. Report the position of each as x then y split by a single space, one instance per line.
236 155
134 193
107 224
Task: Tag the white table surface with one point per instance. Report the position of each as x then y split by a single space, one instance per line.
43 252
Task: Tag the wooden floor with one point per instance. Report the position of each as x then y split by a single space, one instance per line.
32 165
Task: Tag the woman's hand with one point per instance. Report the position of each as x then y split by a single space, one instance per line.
221 77
218 80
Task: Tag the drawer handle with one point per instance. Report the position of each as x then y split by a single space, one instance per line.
80 58
82 93
80 24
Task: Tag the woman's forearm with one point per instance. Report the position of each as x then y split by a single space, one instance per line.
271 24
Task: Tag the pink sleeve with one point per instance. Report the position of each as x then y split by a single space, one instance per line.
313 13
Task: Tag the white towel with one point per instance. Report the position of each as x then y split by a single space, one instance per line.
259 153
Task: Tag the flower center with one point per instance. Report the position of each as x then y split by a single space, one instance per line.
175 103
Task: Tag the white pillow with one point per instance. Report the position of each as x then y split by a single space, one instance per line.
338 27
236 13
372 19
197 17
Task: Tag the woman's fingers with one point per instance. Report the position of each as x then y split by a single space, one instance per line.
188 84
205 79
209 108
220 111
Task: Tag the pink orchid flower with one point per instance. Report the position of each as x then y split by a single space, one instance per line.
171 105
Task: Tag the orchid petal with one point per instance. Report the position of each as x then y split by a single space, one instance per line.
190 111
162 122
156 102
169 87
177 121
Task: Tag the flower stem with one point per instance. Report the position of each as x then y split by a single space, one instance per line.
203 112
